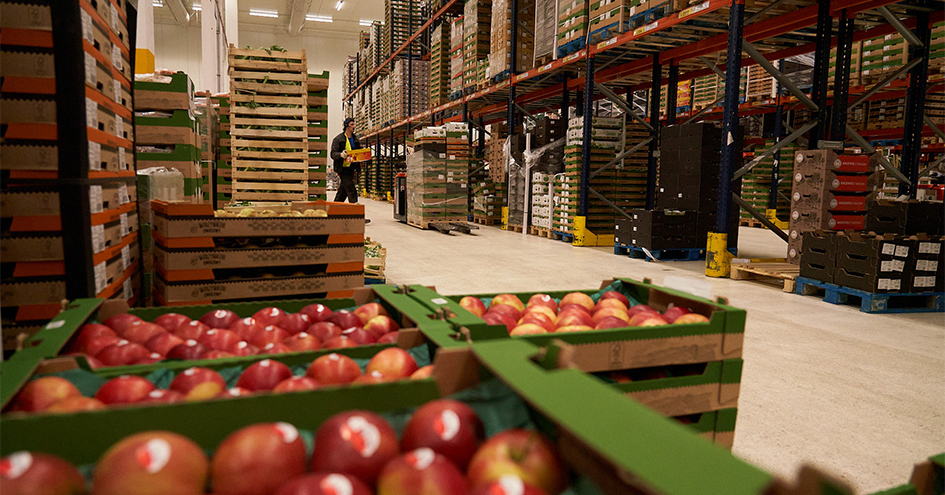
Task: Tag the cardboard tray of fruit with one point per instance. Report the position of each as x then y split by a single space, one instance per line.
626 324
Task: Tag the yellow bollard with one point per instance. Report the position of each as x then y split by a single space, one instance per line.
505 218
582 236
772 215
718 261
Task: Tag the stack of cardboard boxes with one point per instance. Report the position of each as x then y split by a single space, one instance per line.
572 25
456 56
500 41
477 18
221 192
546 31
439 64
756 184
409 92
318 138
437 176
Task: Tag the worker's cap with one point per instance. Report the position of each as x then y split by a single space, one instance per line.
348 121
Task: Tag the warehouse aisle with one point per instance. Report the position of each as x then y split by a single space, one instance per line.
809 389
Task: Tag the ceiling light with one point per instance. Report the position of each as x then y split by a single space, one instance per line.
365 22
263 13
318 18
197 7
340 4
157 3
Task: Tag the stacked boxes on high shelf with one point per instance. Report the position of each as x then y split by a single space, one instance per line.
482 74
546 31
318 139
495 152
856 61
756 184
830 192
607 135
500 41
439 64
409 92
544 160
542 200
222 190
399 24
477 18
573 16
269 116
49 207
203 257
682 97
456 56
607 18
437 179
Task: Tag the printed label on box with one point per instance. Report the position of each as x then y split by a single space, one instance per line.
119 126
116 25
122 164
101 278
125 257
91 74
98 238
902 251
889 284
926 265
889 249
123 218
96 203
117 87
95 156
892 266
123 196
127 291
925 281
930 247
116 57
87 27
91 113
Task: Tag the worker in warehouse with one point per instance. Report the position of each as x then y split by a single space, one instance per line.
346 169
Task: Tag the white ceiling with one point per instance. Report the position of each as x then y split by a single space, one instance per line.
345 20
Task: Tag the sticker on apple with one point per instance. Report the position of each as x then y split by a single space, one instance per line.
153 455
336 484
362 435
420 459
446 424
14 465
288 432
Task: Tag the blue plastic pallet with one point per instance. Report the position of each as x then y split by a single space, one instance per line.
608 31
690 254
562 236
500 76
571 47
886 142
894 302
374 281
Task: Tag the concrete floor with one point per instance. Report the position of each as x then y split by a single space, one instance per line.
860 396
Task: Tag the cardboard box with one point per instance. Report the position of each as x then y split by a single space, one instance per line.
818 251
906 217
873 263
823 180
807 220
814 199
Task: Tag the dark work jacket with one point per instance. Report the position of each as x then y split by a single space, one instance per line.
337 146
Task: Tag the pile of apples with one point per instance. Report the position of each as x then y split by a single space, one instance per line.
52 394
126 339
442 452
576 312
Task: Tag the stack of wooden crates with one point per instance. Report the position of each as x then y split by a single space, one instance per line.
318 139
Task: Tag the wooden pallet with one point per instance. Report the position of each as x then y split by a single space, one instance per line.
785 272
487 220
514 228
540 232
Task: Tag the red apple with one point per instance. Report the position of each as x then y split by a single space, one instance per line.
609 303
573 307
610 313
642 316
163 343
122 353
219 339
474 305
43 392
611 322
141 331
573 328
154 357
124 390
264 375
334 369
499 319
36 473
507 310
162 396
120 321
579 298
371 378
324 330
191 377
654 321
573 317
508 484
344 319
162 461
368 311
528 329
215 354
424 372
270 316
358 443
274 348
325 484
316 312
359 336
612 294
235 392
421 471
257 460
302 341
640 308
94 345
523 453
192 330
542 300
296 322
545 310
539 319
339 343
190 349
245 327
90 331
691 318
74 404
674 312
243 348
270 334
204 391
509 299
388 338
296 384
171 321
449 427
381 325
220 318
394 362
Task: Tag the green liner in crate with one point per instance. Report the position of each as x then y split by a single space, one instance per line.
179 83
178 153
178 118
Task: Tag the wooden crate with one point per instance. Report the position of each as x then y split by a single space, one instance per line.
269 124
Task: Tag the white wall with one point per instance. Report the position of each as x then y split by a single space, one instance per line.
178 48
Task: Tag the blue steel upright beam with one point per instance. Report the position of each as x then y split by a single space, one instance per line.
730 145
821 71
513 66
776 158
652 161
672 90
841 80
915 106
586 138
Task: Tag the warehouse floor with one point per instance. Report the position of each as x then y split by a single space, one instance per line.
860 396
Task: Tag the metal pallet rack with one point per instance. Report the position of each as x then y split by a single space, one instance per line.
676 47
